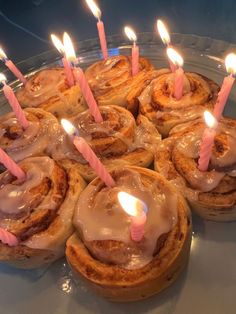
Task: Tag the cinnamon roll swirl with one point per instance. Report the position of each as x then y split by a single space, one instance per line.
212 194
35 140
112 82
101 251
159 105
117 140
38 211
48 89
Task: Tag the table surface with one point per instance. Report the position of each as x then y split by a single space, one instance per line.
215 19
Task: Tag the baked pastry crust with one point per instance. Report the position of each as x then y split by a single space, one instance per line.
160 107
119 140
112 82
216 202
120 284
42 230
35 140
48 89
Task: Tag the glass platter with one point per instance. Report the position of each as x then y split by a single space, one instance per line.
207 286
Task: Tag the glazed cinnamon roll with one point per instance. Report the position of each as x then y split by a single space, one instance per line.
159 105
112 82
35 140
48 89
101 251
117 140
212 194
38 211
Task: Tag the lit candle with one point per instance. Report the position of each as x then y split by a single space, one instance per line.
11 165
88 154
81 79
137 211
8 238
230 63
165 37
100 26
11 66
135 49
207 141
67 66
10 96
176 58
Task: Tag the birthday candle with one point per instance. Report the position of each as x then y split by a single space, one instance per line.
100 26
88 154
67 66
135 49
176 58
11 66
223 95
10 96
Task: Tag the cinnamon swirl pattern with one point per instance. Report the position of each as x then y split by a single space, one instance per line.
35 140
112 82
159 105
107 259
48 89
117 140
38 211
212 194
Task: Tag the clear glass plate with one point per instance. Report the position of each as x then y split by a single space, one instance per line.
207 286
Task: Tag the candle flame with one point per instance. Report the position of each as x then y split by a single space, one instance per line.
2 77
210 120
163 32
68 127
131 205
230 63
58 44
130 33
2 54
94 8
69 48
175 57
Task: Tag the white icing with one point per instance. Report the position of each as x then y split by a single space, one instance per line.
100 217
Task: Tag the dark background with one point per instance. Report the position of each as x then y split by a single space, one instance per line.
215 19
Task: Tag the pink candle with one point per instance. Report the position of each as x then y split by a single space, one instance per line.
137 226
8 238
11 165
135 59
88 154
207 141
11 66
223 96
10 96
230 64
100 26
102 38
136 209
68 71
135 49
93 161
87 93
176 59
179 83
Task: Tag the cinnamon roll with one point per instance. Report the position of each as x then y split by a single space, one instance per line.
48 89
101 251
112 82
159 105
35 140
117 140
212 194
38 211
